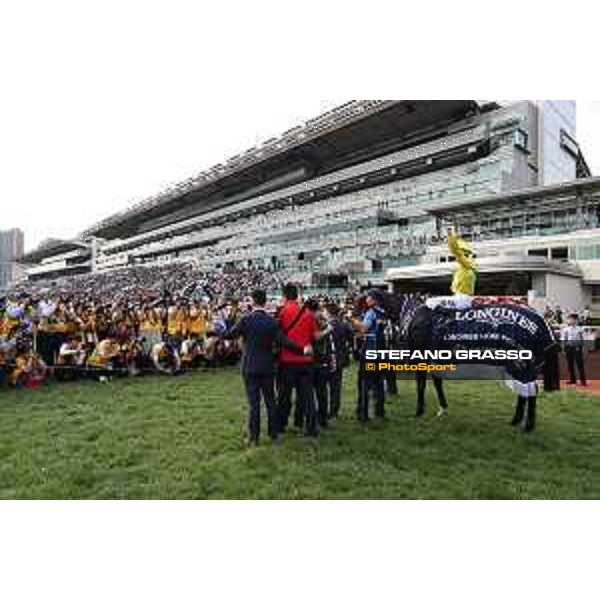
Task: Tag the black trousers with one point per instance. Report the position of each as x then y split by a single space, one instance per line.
320 381
335 380
45 347
299 378
575 359
367 383
552 371
48 345
421 387
257 387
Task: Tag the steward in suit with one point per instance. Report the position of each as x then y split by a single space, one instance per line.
260 334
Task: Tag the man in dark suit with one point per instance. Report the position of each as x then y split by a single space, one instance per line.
260 334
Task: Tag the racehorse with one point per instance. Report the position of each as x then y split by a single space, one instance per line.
498 326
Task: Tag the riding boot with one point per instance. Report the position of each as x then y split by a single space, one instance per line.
519 411
531 414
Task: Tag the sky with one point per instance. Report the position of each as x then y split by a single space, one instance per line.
588 132
96 116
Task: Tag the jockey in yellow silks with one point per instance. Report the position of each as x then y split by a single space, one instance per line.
464 278
465 274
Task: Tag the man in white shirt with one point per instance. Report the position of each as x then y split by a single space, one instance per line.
573 339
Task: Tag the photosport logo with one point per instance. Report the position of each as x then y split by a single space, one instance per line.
458 363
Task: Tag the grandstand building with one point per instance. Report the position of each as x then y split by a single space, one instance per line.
363 191
544 239
58 258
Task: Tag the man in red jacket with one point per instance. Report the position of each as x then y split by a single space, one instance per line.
300 326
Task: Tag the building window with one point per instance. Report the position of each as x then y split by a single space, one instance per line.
538 252
585 252
569 144
522 140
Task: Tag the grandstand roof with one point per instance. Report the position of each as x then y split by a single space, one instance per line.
349 134
50 248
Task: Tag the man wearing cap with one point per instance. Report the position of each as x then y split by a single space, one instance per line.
371 329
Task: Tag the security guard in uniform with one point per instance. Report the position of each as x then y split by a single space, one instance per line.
574 342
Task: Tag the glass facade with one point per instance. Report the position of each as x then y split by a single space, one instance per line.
557 117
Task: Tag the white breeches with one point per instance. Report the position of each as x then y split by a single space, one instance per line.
527 390
459 301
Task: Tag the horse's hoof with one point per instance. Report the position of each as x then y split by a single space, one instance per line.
442 413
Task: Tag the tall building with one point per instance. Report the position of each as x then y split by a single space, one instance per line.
556 139
11 252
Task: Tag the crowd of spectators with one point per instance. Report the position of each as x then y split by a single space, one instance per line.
138 319
558 315
166 318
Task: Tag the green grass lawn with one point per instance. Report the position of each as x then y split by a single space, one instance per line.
183 438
